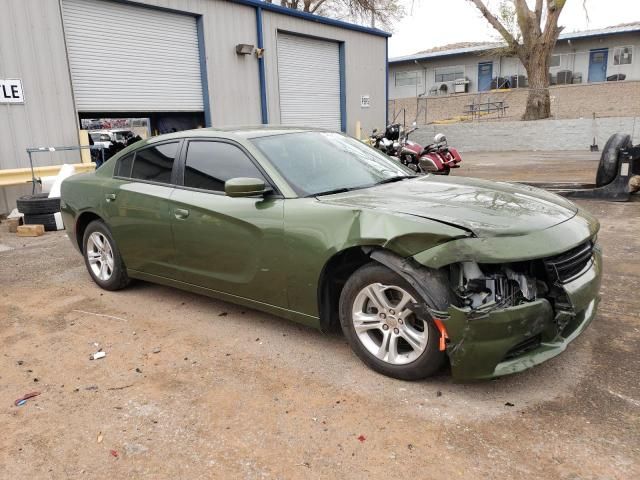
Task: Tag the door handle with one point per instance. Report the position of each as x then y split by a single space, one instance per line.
181 213
110 197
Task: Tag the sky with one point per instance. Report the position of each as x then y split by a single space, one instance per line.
431 23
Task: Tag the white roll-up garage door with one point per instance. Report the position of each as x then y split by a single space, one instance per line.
126 58
309 81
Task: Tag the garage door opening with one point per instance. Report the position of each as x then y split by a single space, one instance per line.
115 131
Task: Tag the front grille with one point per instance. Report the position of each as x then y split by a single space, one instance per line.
569 265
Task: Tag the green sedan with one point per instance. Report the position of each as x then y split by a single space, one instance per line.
321 229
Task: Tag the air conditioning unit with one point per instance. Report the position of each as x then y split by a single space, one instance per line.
460 85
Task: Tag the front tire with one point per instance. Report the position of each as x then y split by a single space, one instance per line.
381 328
102 257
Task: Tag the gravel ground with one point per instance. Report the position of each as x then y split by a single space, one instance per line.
197 388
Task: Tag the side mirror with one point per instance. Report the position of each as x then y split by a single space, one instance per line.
245 187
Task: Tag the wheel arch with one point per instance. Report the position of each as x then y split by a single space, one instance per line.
83 220
333 276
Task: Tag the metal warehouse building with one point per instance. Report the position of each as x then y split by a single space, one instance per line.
180 64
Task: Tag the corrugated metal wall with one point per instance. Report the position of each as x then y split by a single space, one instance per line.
32 49
365 66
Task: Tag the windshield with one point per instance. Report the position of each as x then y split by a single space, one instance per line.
326 162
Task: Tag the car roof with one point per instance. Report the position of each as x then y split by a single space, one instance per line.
235 133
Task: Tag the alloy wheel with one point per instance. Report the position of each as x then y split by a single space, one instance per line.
100 256
386 326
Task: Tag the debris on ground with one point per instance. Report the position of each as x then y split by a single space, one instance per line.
156 350
362 438
509 404
121 388
114 453
97 355
223 314
100 315
134 448
99 437
22 400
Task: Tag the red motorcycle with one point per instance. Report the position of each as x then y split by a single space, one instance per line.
437 158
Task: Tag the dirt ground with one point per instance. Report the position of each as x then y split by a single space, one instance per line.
197 388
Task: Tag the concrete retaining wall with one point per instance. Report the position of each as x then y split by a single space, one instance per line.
575 134
606 99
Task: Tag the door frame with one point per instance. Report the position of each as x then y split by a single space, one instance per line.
606 64
480 64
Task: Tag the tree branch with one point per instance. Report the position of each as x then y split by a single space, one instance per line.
495 23
317 5
538 11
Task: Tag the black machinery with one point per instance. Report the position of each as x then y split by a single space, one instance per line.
619 163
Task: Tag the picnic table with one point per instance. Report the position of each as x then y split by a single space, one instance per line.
476 109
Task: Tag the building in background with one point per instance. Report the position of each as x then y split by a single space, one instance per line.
69 64
596 57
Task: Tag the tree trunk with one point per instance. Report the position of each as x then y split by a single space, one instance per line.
538 101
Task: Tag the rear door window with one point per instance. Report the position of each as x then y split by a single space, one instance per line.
154 164
210 164
123 169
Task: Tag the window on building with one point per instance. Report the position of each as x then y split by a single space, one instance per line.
449 74
404 79
210 164
623 55
554 61
154 164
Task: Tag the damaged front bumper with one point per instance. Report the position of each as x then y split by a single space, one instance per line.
512 339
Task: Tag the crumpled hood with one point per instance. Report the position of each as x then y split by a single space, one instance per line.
486 208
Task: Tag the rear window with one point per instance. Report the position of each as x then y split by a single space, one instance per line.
123 169
152 164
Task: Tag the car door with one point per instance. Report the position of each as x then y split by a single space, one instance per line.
138 208
231 245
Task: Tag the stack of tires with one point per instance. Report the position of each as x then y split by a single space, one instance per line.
39 209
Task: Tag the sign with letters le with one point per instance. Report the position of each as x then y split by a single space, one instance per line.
11 91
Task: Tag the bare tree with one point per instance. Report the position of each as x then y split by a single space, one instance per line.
538 32
367 12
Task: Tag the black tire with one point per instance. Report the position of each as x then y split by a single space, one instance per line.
608 166
429 361
118 278
46 219
38 204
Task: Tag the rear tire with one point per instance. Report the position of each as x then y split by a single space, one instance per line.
385 334
102 257
609 160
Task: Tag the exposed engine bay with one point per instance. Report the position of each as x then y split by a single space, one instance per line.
495 286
